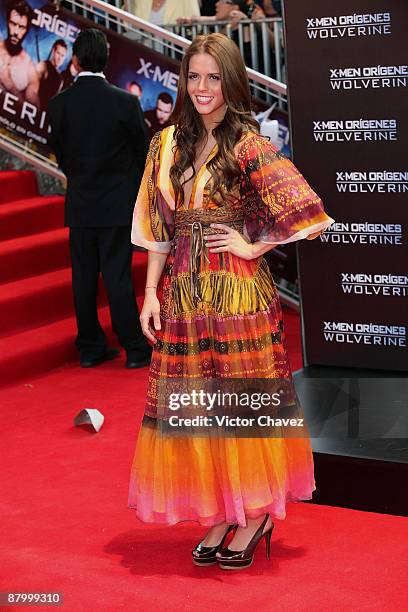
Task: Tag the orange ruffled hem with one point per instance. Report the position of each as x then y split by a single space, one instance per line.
215 479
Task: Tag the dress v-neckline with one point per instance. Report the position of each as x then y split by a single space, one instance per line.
199 182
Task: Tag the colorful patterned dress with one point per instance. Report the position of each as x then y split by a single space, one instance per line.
220 319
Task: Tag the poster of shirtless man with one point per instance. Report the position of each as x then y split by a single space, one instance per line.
17 70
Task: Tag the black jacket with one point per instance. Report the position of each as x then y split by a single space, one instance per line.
98 134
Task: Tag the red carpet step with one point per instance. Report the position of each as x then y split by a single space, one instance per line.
17 184
31 255
31 216
49 297
41 349
38 350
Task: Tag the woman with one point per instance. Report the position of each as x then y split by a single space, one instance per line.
214 197
162 12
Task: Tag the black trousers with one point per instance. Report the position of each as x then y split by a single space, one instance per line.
105 250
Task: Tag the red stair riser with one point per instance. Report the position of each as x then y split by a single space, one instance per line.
49 303
31 217
40 260
17 184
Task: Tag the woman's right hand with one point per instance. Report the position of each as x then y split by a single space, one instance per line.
236 16
150 310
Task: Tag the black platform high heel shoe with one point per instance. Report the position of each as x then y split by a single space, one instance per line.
206 555
239 559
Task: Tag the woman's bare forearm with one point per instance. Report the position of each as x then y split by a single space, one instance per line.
155 265
259 248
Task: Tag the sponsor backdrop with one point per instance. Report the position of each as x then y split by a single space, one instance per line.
348 84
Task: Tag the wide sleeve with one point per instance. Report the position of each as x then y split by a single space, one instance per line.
153 217
279 205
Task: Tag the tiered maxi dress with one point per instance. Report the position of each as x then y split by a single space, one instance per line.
221 320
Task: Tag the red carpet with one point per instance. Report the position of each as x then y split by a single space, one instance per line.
65 525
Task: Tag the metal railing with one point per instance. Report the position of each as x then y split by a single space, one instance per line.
260 41
26 152
171 43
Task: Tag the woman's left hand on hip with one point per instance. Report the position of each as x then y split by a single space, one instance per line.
231 241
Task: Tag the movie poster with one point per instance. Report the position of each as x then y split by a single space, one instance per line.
35 64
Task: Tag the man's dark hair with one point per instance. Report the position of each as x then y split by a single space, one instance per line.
135 83
22 8
59 43
91 50
165 97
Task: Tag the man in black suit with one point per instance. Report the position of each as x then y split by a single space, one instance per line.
100 141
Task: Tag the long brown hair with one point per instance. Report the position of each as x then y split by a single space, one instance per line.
189 128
